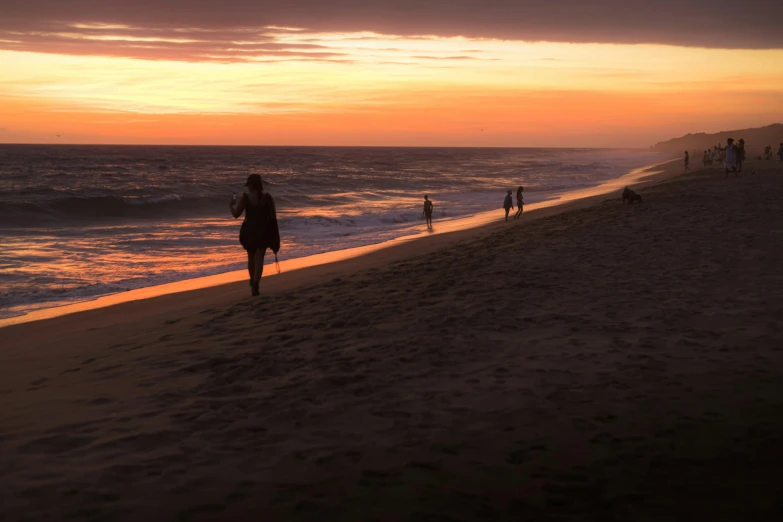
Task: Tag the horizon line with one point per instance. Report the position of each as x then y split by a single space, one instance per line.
3 144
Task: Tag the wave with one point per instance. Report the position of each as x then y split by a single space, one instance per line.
298 211
150 200
363 223
42 207
89 208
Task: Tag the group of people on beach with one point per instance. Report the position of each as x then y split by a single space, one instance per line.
711 156
768 152
508 205
716 154
732 156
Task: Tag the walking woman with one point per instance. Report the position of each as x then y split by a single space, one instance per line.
520 202
259 229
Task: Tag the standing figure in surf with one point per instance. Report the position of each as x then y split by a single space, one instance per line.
428 211
508 203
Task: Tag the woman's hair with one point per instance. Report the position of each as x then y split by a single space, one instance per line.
256 187
254 183
520 189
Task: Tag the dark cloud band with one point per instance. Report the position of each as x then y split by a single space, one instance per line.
704 23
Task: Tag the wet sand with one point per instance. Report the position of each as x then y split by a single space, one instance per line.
601 362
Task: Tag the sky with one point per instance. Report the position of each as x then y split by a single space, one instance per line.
396 72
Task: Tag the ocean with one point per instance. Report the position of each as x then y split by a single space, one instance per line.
79 222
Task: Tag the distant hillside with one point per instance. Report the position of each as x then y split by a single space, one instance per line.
755 140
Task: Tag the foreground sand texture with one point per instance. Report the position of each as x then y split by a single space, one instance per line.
609 363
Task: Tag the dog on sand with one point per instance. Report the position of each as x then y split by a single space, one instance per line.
630 196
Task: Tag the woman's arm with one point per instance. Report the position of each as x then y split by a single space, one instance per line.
272 208
237 211
273 230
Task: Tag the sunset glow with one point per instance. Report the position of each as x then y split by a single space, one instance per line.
113 83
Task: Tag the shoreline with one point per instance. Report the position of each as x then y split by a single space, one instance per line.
454 229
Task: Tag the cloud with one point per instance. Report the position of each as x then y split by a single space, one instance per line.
188 44
265 44
203 27
421 57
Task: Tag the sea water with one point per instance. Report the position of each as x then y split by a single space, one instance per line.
78 222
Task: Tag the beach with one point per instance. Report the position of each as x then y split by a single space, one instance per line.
594 361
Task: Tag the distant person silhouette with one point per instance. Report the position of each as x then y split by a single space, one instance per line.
259 230
520 202
508 203
687 162
740 151
428 211
780 153
731 157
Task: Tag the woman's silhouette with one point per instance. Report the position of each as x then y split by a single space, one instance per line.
259 229
520 202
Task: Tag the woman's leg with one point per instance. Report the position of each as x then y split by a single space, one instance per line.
250 264
258 267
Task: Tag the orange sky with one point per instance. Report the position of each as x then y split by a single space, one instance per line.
373 89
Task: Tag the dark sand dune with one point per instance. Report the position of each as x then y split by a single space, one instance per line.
611 363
